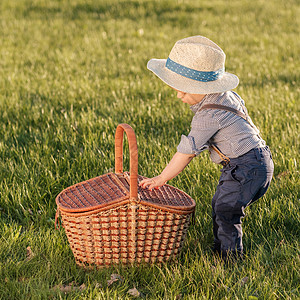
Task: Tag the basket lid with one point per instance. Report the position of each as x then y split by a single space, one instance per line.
114 189
110 190
164 196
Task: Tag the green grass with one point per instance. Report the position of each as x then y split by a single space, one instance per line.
71 71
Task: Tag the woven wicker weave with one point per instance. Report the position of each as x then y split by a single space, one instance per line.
110 219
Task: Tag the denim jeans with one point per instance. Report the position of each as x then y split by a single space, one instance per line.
243 181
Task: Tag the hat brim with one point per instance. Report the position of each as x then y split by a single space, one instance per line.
225 83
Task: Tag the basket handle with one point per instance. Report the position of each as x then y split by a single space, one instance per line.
133 151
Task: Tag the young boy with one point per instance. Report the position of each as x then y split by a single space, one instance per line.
195 69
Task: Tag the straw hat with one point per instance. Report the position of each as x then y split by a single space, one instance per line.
196 65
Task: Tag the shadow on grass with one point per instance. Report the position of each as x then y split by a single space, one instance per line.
132 10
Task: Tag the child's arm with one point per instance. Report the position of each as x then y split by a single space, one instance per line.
178 162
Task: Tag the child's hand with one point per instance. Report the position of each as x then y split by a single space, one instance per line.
151 183
178 162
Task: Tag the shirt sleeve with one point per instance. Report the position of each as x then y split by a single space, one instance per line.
203 128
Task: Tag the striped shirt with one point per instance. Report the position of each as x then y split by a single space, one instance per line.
230 133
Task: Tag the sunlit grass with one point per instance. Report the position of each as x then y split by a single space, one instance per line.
71 71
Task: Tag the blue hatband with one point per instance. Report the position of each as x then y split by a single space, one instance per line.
193 74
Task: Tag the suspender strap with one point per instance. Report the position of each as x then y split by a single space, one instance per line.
245 116
223 107
225 159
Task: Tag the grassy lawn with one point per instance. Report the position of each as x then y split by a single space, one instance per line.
71 71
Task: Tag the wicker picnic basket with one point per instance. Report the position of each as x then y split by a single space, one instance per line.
109 219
